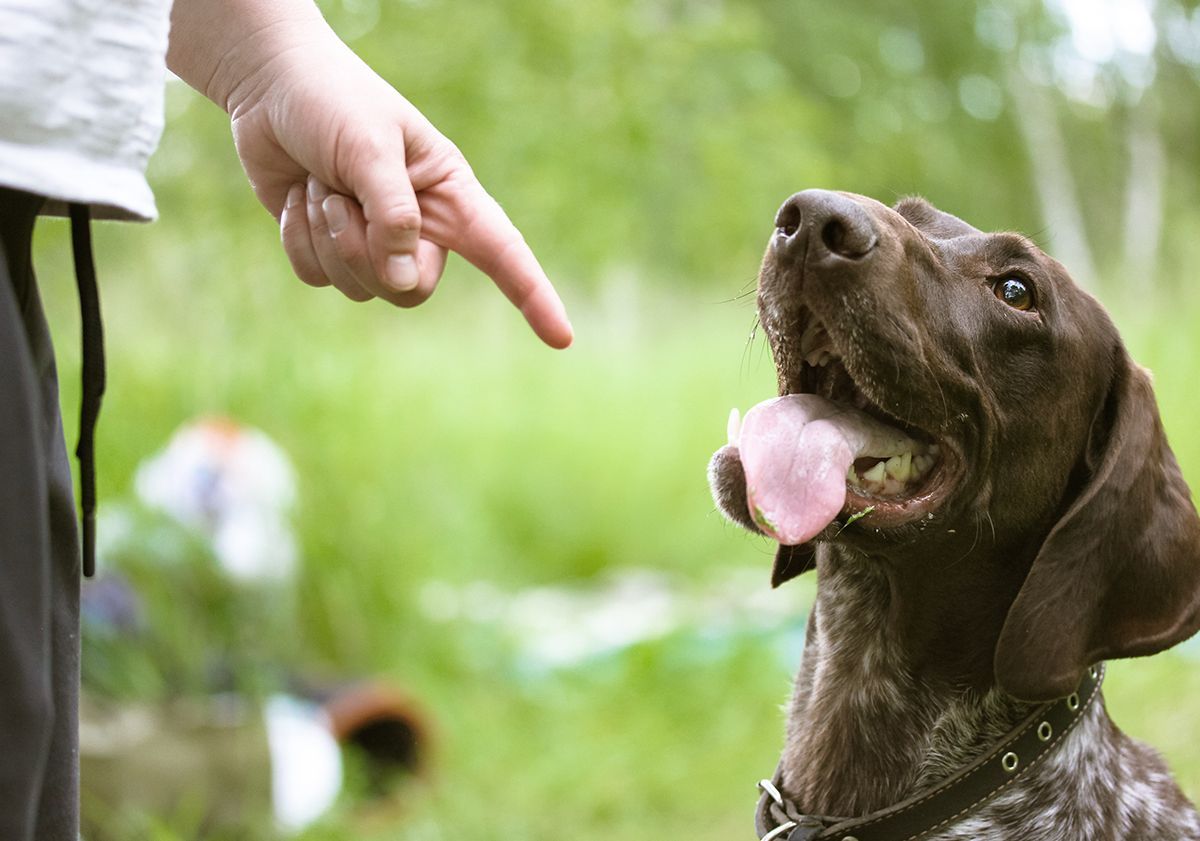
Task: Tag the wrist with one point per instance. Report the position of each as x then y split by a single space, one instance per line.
230 65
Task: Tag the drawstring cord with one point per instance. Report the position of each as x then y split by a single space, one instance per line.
93 377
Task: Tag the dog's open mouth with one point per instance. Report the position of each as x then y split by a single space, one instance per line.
828 449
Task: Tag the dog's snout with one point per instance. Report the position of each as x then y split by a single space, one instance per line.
828 221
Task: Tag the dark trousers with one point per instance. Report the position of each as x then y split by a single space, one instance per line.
39 560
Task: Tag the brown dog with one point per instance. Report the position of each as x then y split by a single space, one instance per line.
1006 514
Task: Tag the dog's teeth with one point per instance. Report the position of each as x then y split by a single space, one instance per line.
876 474
852 477
734 428
892 487
819 358
921 463
814 336
900 467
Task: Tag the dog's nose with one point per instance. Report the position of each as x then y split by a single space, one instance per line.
826 221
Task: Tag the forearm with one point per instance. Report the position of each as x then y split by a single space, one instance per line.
223 48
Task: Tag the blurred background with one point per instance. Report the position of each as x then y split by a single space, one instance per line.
520 543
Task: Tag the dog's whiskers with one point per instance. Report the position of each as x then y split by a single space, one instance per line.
746 349
739 297
974 542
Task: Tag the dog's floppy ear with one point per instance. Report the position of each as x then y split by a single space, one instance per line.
791 561
1119 573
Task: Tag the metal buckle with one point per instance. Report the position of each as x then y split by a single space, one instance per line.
778 831
769 789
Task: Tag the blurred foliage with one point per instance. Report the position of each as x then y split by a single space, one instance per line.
705 114
643 147
164 621
662 134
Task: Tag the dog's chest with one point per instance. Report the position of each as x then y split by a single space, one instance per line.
864 733
1098 785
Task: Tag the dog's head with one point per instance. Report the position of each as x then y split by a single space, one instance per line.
965 386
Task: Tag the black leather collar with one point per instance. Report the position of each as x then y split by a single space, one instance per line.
1022 749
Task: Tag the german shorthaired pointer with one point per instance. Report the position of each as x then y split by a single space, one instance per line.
967 455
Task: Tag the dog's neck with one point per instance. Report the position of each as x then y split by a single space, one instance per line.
895 689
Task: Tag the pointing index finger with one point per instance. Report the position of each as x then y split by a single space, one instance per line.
491 242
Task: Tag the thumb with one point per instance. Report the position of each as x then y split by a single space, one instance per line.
382 186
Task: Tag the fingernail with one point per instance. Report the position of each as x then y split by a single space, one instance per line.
316 190
336 214
402 273
295 194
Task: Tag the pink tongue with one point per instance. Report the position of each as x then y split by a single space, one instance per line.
795 451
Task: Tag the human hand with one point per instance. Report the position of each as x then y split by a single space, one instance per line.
369 195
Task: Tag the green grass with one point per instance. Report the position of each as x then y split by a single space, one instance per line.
446 444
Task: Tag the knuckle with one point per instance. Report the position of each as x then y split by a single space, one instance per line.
356 149
370 145
317 223
401 217
292 225
457 162
506 260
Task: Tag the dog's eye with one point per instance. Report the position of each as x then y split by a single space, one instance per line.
1015 292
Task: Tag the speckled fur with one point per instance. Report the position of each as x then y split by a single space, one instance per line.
864 732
